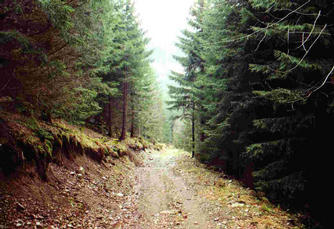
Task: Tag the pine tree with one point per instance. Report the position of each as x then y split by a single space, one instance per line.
185 95
263 92
292 72
61 46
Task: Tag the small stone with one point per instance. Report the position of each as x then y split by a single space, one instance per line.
39 217
20 207
216 219
117 225
120 194
235 205
18 224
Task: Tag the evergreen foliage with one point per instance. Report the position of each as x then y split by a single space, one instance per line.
73 59
255 97
261 76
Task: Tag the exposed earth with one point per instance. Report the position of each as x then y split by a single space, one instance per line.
167 189
175 191
165 199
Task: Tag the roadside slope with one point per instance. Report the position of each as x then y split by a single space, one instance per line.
63 176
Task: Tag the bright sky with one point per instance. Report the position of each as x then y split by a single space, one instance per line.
163 21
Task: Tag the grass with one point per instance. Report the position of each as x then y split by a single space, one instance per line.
242 207
50 139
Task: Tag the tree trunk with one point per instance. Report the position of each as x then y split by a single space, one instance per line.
193 131
132 121
110 120
125 107
172 131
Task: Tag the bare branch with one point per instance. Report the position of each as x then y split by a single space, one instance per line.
258 45
6 84
303 42
309 36
288 38
306 53
255 32
310 92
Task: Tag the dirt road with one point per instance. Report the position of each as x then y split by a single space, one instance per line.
167 189
175 191
165 199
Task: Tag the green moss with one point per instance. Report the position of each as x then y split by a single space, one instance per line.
106 151
121 148
32 123
31 140
115 141
44 135
40 148
259 123
59 140
267 208
49 147
67 136
255 149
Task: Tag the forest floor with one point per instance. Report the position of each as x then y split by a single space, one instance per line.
176 191
167 189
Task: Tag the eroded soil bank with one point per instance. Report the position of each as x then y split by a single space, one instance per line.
80 193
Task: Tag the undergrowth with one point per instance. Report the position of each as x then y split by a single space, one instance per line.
27 139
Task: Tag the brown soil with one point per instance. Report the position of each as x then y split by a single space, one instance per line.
165 200
78 194
176 191
168 190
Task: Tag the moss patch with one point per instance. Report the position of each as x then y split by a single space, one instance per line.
44 138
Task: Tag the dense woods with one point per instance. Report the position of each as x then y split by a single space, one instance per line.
257 94
81 61
255 99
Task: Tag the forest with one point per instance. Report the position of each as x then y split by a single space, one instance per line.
257 94
255 101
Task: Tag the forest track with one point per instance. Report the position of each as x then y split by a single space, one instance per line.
169 189
174 190
164 198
